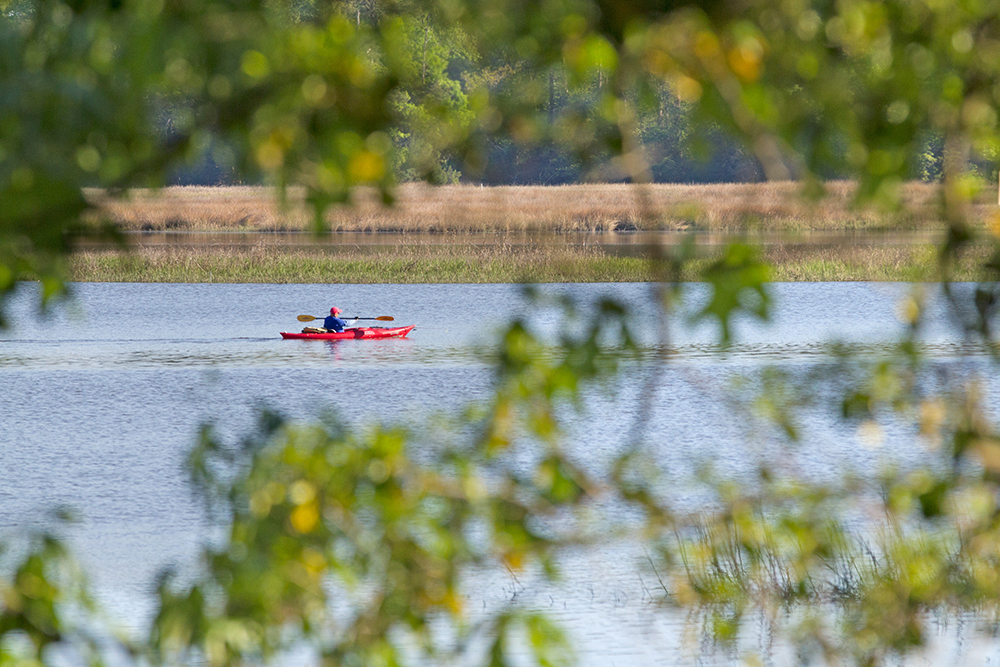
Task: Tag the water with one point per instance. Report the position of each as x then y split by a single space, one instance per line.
102 400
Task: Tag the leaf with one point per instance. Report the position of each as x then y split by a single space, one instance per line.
738 283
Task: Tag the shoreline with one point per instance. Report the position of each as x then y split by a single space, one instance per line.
471 234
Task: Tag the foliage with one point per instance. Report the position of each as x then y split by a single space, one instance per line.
40 589
296 94
349 544
433 109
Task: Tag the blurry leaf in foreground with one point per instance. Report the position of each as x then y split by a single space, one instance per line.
738 288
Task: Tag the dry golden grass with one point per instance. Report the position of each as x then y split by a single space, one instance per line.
726 207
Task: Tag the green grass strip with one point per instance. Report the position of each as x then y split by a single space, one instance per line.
496 264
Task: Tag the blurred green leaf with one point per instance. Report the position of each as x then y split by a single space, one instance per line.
738 282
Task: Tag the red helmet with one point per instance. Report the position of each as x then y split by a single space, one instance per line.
335 311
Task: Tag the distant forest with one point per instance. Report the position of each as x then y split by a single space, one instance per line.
522 123
559 135
674 159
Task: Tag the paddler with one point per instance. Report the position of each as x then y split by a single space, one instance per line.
333 321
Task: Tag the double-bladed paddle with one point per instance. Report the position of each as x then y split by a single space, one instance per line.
310 318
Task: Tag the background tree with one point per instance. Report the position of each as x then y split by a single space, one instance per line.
434 106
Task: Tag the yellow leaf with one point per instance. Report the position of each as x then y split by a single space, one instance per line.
367 166
305 517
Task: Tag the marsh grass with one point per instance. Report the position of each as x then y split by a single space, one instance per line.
499 214
724 207
499 263
414 264
848 262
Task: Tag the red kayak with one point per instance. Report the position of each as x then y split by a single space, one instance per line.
355 332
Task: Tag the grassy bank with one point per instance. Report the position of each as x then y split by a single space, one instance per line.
268 264
491 220
722 207
488 264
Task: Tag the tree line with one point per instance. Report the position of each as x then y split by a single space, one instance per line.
446 72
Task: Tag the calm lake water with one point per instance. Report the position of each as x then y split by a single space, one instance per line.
102 399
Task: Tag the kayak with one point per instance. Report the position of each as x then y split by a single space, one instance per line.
354 332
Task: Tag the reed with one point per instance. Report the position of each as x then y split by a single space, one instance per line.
435 264
725 207
498 263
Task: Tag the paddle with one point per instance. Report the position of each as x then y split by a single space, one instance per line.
310 318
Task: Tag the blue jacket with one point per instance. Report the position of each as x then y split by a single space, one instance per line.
334 323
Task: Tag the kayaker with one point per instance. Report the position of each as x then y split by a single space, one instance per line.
333 322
